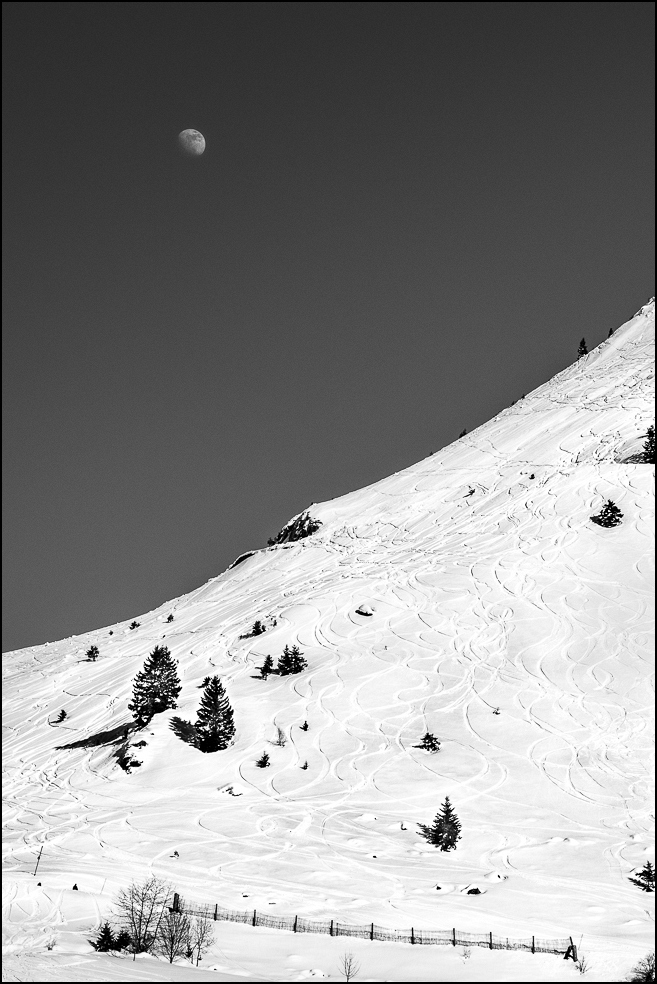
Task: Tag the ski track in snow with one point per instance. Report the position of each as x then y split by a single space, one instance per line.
504 598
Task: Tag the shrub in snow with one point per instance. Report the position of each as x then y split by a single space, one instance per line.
463 433
281 740
156 687
291 661
609 515
304 726
92 653
61 717
644 970
298 528
445 830
214 721
135 625
429 743
263 761
582 350
169 618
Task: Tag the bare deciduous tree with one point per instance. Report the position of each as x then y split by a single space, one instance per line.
201 937
139 909
348 966
173 935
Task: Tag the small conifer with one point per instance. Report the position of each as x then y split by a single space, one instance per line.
645 878
105 941
583 349
610 515
135 625
263 761
648 455
446 829
169 618
92 653
291 661
267 667
156 687
214 724
429 743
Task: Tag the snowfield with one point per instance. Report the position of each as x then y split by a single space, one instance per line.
469 582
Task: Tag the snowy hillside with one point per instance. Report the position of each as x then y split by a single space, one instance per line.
481 584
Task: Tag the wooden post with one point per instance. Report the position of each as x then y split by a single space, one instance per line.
490 944
294 928
372 931
453 937
255 916
38 859
176 902
331 929
215 913
533 945
412 935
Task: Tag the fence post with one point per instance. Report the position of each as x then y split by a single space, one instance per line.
372 931
255 916
453 937
533 945
215 913
573 948
331 929
176 902
490 945
412 935
294 928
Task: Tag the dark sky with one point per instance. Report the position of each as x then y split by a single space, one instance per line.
407 215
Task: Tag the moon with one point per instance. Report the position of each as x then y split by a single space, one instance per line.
191 142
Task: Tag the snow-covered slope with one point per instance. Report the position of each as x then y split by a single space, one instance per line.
489 588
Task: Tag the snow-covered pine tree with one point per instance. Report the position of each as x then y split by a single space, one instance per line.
609 515
648 455
291 661
263 761
583 349
446 829
156 687
214 721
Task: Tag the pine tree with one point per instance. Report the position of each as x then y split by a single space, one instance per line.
609 515
214 721
446 829
648 455
582 350
463 433
267 667
645 879
169 618
105 940
135 625
263 761
92 653
429 743
156 687
291 661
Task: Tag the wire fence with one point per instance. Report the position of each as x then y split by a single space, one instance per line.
370 931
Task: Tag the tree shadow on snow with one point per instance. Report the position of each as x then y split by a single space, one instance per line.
110 737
